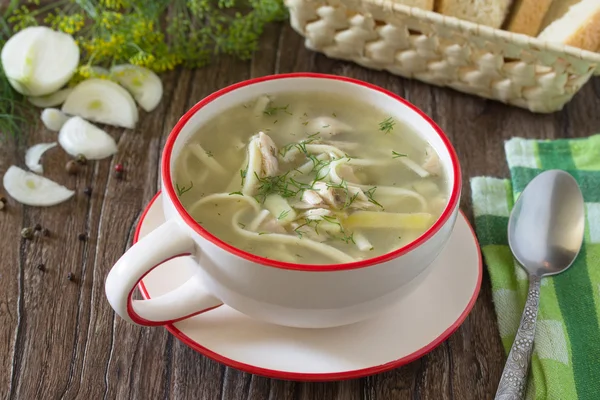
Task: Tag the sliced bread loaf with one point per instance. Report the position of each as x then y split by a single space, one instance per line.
579 27
424 4
485 12
527 15
557 9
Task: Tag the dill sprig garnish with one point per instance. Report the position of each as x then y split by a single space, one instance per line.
283 185
387 125
396 154
312 223
283 214
183 189
370 193
270 111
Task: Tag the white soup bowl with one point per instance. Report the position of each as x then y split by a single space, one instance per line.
283 293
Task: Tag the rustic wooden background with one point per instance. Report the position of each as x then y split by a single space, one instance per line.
61 339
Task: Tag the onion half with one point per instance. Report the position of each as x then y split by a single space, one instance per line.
38 60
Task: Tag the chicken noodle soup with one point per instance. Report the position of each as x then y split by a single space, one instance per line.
310 178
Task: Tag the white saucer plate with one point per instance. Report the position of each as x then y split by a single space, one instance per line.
398 336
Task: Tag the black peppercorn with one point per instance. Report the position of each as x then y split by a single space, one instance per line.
27 233
87 191
41 267
45 232
82 237
37 227
81 160
70 276
72 167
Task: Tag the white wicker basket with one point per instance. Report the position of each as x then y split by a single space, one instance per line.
445 51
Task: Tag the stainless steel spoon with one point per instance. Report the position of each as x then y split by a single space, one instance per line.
545 233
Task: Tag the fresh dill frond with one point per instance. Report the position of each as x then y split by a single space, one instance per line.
156 34
183 189
283 214
236 193
396 154
370 195
387 125
270 111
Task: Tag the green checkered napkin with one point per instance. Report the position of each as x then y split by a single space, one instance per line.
566 357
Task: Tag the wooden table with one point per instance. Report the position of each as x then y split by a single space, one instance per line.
61 339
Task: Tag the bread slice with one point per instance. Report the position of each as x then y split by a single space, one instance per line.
579 27
484 12
527 15
557 9
424 4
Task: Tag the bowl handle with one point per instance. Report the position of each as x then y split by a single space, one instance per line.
168 241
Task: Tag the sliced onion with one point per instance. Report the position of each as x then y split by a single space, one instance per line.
78 136
54 119
38 60
34 154
51 100
34 190
102 101
145 86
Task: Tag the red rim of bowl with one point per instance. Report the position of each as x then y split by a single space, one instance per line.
169 190
320 377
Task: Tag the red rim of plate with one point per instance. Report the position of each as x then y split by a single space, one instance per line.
320 377
170 192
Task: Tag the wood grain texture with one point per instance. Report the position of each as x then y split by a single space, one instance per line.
60 339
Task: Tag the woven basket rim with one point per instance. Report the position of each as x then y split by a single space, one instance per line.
485 31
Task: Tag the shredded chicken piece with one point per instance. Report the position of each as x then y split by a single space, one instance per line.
271 225
317 213
311 197
432 162
328 125
360 195
329 194
268 150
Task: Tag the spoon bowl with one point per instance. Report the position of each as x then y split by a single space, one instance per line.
546 225
545 234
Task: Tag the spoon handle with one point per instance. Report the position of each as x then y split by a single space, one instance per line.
514 377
